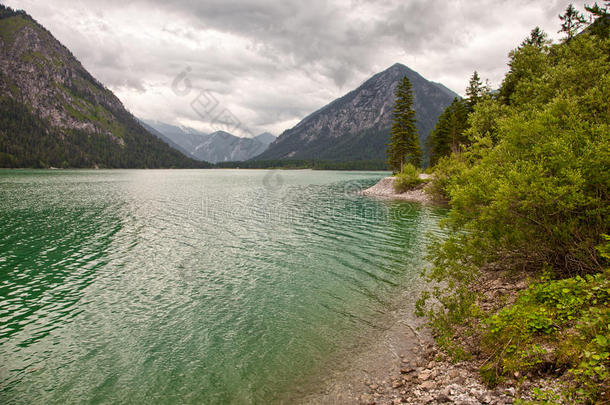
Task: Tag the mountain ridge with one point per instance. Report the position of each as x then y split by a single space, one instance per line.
356 125
53 112
219 146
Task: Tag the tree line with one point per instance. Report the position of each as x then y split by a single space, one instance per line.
525 171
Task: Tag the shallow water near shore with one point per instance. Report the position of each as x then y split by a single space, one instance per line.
193 286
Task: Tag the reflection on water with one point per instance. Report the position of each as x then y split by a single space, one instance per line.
191 286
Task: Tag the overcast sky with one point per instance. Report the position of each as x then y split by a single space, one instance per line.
265 65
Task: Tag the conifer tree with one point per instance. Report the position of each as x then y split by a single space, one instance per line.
404 142
537 38
572 21
448 134
601 19
475 90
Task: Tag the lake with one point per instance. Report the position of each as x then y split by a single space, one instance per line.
193 286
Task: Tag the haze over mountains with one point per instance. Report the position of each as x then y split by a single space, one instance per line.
353 127
219 146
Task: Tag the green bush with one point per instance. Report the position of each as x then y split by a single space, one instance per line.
536 193
554 325
530 193
408 179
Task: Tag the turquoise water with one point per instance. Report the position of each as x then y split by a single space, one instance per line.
192 286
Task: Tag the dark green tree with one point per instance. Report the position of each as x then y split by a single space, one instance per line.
523 61
448 134
475 90
404 143
572 21
601 20
537 38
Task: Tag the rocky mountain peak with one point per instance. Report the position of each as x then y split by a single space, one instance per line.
356 126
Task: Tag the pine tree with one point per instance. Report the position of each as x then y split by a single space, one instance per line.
601 19
537 38
448 134
404 142
475 90
573 20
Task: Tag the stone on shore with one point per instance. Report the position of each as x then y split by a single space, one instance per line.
385 189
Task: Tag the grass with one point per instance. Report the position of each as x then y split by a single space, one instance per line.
408 179
9 28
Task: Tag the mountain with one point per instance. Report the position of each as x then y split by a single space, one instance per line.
186 138
54 113
221 146
356 126
217 147
164 138
265 138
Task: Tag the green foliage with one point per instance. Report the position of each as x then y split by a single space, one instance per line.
444 171
28 141
448 135
572 21
537 38
408 179
525 63
554 324
10 26
529 192
541 397
475 90
404 142
601 20
532 189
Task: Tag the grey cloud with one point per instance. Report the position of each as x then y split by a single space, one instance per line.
273 62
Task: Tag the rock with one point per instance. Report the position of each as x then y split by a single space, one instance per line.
427 385
367 399
459 380
442 398
426 399
397 401
407 370
425 375
373 386
397 384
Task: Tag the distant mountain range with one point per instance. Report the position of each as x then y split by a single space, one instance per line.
54 113
216 147
357 125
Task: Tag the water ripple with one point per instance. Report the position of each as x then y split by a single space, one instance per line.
191 286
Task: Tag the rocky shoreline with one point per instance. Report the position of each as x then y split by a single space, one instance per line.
404 365
385 189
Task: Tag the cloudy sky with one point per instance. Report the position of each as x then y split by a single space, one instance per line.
266 64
